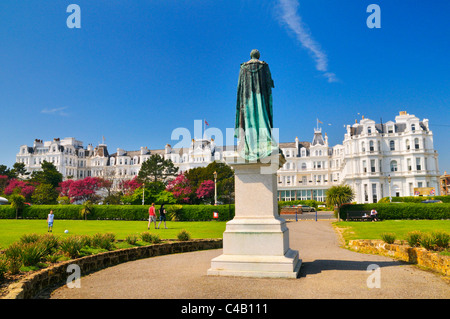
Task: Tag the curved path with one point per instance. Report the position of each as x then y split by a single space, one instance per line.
328 271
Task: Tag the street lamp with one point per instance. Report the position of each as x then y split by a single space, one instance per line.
390 194
215 188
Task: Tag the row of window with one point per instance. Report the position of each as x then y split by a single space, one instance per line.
391 145
304 194
390 129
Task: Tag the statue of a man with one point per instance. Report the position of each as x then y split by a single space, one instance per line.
254 116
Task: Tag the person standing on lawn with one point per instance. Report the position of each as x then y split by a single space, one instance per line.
151 216
162 216
50 219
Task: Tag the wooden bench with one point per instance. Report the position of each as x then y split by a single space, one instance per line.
290 210
358 215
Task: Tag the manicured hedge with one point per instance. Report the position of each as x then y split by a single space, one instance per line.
120 212
416 199
6 211
402 210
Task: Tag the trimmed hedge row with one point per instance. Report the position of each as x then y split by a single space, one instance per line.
402 210
120 212
419 199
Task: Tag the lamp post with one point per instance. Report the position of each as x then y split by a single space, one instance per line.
390 194
215 188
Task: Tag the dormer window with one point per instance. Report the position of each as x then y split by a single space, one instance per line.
413 127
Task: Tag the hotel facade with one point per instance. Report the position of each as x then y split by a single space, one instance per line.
376 159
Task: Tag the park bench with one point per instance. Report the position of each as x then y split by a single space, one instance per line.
358 215
290 210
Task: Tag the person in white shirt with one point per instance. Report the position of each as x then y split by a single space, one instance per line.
50 218
374 215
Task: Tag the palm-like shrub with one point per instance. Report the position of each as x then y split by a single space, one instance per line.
32 253
336 196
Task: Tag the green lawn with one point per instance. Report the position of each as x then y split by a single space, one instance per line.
11 230
373 230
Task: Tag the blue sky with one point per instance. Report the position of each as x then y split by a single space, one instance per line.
137 70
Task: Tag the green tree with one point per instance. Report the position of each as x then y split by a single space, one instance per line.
19 170
156 168
44 194
17 202
225 179
4 170
336 196
152 191
48 175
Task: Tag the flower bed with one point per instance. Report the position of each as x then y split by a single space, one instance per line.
56 275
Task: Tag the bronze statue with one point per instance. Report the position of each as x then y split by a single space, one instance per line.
254 115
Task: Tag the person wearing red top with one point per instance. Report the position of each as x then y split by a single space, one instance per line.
151 216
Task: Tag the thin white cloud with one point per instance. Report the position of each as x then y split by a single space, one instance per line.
56 111
288 15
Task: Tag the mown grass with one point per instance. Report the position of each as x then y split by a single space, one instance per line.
11 230
374 230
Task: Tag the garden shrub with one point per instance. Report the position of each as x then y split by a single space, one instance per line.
156 239
441 239
13 255
103 241
184 235
413 238
131 239
72 246
146 236
388 237
32 253
428 241
29 238
3 267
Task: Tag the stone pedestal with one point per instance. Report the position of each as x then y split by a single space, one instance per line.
256 241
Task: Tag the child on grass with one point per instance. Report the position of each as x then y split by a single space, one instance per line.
50 219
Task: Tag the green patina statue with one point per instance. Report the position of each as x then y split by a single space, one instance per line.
254 116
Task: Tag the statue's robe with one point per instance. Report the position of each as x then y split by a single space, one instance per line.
254 115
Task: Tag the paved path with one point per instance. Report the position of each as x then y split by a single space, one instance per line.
328 271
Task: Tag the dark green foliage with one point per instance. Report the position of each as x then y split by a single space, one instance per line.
71 246
123 212
32 253
415 199
413 238
388 238
402 210
184 235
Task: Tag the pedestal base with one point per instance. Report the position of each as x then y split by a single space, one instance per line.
256 247
256 241
287 266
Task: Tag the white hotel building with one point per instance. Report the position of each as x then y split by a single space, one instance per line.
376 159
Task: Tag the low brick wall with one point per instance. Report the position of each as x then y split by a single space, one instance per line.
30 286
413 255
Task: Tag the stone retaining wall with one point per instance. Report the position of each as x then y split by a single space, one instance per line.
30 286
414 255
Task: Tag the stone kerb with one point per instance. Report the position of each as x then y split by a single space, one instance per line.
413 255
30 286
